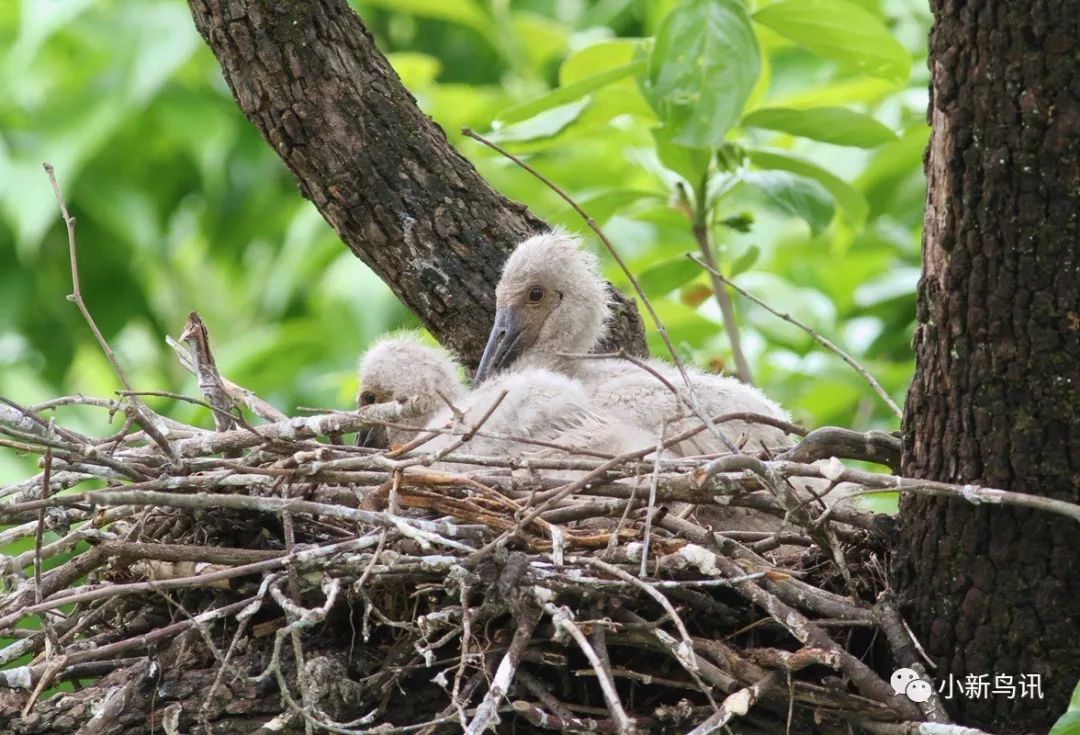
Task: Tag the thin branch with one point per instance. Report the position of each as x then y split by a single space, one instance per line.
142 413
823 341
700 227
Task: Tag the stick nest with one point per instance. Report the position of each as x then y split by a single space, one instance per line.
256 579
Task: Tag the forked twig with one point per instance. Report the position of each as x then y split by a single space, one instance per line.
139 408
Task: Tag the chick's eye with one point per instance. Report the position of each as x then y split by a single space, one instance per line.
536 293
367 398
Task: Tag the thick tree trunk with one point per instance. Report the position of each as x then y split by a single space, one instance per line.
995 402
308 76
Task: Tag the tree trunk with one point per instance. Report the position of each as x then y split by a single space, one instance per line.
994 590
382 173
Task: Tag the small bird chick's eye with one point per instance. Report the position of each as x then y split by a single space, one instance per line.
367 398
536 293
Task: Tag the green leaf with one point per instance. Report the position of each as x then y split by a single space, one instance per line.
605 204
869 90
571 92
886 503
463 12
702 70
547 124
839 30
543 38
599 57
1069 723
665 277
837 125
796 195
690 163
848 197
415 69
745 261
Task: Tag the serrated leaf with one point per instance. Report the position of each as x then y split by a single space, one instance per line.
839 30
837 125
665 277
795 195
702 70
848 197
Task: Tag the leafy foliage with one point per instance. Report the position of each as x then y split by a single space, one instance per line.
791 126
1069 723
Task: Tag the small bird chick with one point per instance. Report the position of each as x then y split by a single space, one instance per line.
406 382
551 301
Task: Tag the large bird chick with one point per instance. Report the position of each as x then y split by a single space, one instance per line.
549 301
552 303
404 382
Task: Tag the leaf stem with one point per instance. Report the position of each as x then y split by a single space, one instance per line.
723 298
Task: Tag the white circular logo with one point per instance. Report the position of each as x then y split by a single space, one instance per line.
901 678
918 691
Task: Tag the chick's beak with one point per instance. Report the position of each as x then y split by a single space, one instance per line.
505 344
372 437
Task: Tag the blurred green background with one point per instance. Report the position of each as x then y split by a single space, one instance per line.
181 206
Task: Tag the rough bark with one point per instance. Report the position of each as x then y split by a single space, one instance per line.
994 400
382 173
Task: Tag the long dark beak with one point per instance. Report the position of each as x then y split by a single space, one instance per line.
505 344
372 437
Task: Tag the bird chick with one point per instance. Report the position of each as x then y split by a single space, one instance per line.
551 301
406 382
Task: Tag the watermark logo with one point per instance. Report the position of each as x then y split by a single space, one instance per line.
908 683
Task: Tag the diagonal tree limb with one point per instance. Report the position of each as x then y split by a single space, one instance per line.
380 171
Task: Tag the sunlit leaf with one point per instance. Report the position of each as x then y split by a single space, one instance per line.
1069 723
463 12
415 69
893 284
795 195
887 503
745 261
702 70
839 30
669 275
544 125
599 57
571 92
810 305
848 197
892 165
544 39
868 90
837 125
